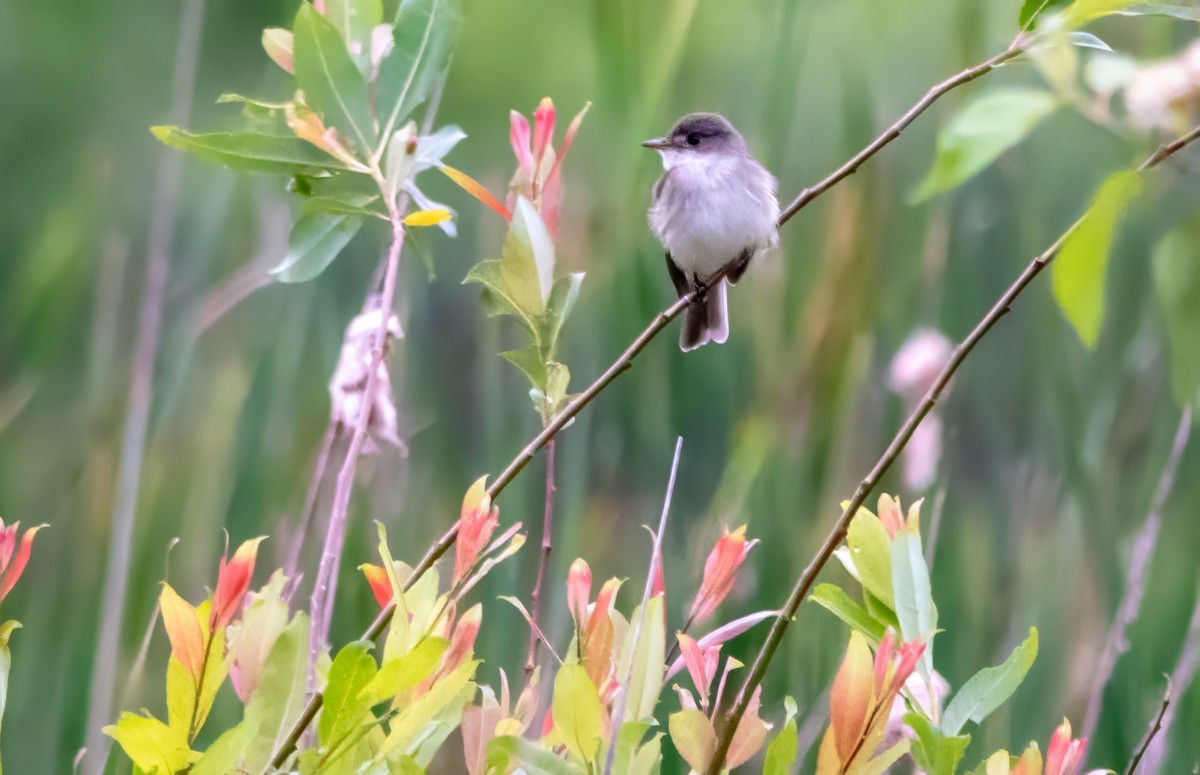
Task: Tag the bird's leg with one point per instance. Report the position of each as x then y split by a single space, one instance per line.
700 287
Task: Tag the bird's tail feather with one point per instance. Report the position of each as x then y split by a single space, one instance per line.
706 320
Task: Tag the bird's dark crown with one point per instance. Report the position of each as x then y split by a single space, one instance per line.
704 131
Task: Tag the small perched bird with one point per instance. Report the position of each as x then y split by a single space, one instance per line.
713 205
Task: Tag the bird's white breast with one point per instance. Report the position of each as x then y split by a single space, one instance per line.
711 207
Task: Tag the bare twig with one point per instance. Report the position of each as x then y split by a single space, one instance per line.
1135 581
1152 730
867 485
310 498
1181 681
625 361
137 419
331 556
655 558
535 609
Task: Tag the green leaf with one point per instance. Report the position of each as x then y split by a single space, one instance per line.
216 668
835 600
419 717
529 226
990 687
646 680
1177 287
251 151
152 745
1031 9
331 82
511 282
577 711
344 709
315 241
280 695
988 126
529 361
424 38
871 553
340 206
781 753
935 753
181 697
223 755
354 20
1077 275
880 762
914 599
1083 11
403 673
694 737
563 294
505 752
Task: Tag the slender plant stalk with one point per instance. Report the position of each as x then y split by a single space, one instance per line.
1181 680
867 485
625 361
1135 581
1156 724
654 569
141 393
535 598
326 584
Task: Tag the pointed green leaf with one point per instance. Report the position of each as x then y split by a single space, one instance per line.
935 753
1083 11
1078 274
511 282
527 223
1032 9
315 241
425 34
577 711
562 298
530 363
646 680
988 126
781 753
251 151
417 717
343 708
181 697
280 695
990 687
403 673
331 82
216 668
914 598
504 753
871 552
835 600
223 756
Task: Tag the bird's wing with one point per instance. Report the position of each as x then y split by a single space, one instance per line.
677 277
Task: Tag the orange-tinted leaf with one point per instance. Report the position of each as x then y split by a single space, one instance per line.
751 734
850 697
381 585
233 580
462 642
720 570
426 217
476 524
475 189
694 738
183 630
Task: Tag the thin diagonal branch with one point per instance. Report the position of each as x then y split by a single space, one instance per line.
141 393
625 361
1156 724
866 487
1135 581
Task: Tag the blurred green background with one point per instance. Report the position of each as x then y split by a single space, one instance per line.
1051 451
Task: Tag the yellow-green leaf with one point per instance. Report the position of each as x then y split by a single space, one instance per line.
871 553
577 711
281 692
1078 273
991 686
251 151
403 673
781 753
344 708
152 745
694 738
331 82
835 600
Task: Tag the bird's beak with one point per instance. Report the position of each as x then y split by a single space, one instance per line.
657 144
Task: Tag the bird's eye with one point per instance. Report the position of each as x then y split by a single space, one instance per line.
693 140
